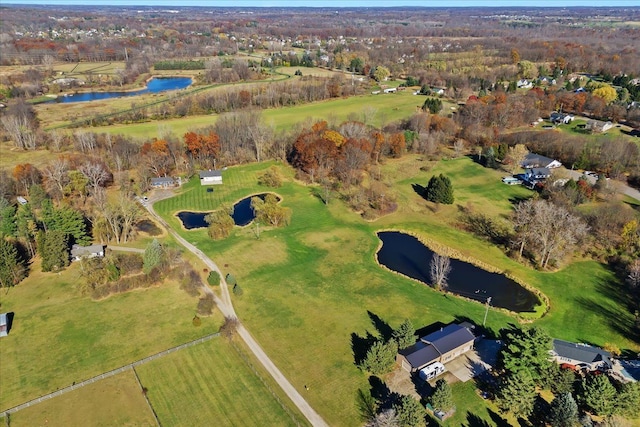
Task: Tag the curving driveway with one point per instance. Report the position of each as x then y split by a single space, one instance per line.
226 307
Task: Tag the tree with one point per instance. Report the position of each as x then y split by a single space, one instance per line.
270 178
564 411
8 219
65 219
528 69
26 227
628 400
386 418
152 256
269 211
598 394
409 411
214 278
439 270
442 398
432 105
230 327
515 156
53 248
381 73
606 92
405 335
220 224
96 174
517 394
12 269
439 190
526 350
380 357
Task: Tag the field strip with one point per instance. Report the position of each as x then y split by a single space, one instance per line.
104 375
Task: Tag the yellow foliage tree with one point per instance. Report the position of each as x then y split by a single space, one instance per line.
607 93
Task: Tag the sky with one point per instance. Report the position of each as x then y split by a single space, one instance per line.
336 3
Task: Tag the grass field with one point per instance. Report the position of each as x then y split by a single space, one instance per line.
210 384
59 336
313 288
114 401
387 108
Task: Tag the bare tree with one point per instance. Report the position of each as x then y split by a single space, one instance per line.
56 140
387 418
21 131
440 267
96 173
56 174
86 141
633 278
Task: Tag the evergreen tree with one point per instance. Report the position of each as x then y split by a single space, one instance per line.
598 395
442 398
526 350
65 219
439 190
564 411
12 270
405 334
409 411
380 357
26 227
629 399
517 394
152 256
8 220
53 247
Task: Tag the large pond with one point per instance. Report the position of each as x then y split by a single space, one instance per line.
405 254
155 85
243 214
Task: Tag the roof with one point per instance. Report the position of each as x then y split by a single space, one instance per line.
78 251
421 355
162 180
536 160
539 171
580 352
448 338
209 174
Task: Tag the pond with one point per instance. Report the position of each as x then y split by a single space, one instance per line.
242 214
155 85
405 254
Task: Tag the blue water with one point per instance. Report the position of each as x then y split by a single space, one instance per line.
407 255
155 85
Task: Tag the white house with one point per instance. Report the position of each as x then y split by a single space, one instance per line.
597 126
92 251
533 160
210 177
390 90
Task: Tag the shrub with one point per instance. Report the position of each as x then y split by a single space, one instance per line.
214 278
230 279
237 290
220 224
439 190
205 305
229 327
196 321
270 178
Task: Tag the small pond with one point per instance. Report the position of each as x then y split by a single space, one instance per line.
405 254
242 214
155 85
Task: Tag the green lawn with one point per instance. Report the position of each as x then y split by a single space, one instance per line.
388 108
115 401
210 384
309 287
59 336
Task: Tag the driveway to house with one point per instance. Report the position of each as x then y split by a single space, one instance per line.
482 358
618 186
226 307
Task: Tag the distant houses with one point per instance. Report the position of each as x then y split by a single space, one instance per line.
441 346
210 177
560 118
597 126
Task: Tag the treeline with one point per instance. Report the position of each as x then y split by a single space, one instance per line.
179 65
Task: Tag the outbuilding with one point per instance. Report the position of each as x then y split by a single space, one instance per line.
92 251
210 177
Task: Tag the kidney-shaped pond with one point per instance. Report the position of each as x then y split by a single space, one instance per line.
405 254
242 215
155 85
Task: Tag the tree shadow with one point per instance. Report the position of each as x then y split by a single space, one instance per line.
360 346
383 328
518 199
429 329
498 420
419 189
633 132
541 409
617 320
475 421
379 390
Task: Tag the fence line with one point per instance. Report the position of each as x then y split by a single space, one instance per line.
244 357
144 393
108 374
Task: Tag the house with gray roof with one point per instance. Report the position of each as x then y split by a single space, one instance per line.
441 346
533 160
210 177
163 182
581 355
78 252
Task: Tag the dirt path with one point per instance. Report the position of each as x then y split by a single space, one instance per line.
226 307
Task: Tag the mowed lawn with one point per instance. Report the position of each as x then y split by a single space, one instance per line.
60 337
113 401
386 108
312 290
210 384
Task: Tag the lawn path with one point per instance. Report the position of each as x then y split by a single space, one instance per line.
226 307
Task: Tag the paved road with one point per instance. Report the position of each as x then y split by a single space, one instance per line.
226 307
619 186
